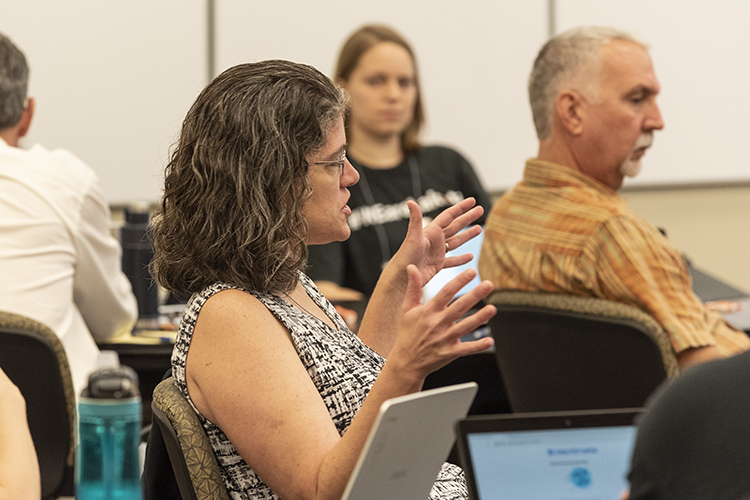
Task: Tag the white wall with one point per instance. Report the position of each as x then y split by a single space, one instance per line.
474 58
112 81
701 54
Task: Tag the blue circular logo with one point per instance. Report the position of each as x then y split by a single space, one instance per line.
581 477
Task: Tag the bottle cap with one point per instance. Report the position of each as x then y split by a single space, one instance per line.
112 383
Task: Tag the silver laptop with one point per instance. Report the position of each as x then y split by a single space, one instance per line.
409 441
539 456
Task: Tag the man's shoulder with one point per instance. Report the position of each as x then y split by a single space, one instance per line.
64 163
564 202
560 220
55 181
699 382
56 169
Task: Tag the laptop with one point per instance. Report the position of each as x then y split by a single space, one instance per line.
734 304
710 289
408 443
564 455
473 246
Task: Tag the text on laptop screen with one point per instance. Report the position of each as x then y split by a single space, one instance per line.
569 464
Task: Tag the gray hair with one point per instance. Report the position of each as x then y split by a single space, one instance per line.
14 80
572 57
237 180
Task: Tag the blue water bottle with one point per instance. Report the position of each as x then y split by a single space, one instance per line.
109 428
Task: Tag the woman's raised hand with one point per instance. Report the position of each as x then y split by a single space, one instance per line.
420 257
425 247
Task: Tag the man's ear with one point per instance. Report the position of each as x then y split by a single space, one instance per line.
28 114
569 111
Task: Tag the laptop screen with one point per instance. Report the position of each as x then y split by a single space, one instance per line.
473 246
569 462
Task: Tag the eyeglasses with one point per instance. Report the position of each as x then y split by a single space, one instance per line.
341 163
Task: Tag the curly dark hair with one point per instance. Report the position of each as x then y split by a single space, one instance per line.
237 179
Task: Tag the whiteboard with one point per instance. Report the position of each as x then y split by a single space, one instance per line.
112 81
473 56
701 55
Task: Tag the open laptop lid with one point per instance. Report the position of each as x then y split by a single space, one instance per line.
575 455
408 443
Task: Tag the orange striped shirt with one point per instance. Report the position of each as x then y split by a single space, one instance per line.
561 231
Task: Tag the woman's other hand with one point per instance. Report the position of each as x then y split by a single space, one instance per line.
424 248
429 335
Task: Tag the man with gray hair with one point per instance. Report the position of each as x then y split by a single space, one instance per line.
564 228
58 262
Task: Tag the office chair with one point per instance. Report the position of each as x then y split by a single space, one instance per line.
560 352
193 461
34 359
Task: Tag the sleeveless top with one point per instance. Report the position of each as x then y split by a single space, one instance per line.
342 367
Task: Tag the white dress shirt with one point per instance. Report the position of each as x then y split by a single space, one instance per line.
59 264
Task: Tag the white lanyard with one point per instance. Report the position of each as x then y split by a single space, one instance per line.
416 188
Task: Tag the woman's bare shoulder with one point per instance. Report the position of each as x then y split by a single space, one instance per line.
233 312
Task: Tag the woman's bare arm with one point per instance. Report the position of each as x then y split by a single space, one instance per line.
244 374
19 468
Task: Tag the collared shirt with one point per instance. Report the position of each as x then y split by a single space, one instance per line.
59 264
561 231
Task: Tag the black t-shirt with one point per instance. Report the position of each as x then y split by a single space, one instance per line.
694 441
437 176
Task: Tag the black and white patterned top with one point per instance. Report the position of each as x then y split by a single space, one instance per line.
340 365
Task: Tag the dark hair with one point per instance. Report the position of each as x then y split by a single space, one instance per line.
360 42
237 179
14 81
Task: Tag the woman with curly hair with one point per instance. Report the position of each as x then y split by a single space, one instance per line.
286 393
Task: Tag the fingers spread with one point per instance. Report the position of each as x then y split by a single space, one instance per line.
415 220
413 295
458 211
431 333
452 226
446 294
463 236
474 346
457 260
461 305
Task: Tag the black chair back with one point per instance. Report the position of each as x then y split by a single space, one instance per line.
176 458
196 471
34 359
559 353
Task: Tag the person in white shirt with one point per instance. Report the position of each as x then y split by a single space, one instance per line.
59 264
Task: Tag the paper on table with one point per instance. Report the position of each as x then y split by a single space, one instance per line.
144 337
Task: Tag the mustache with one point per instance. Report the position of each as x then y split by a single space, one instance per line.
645 140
